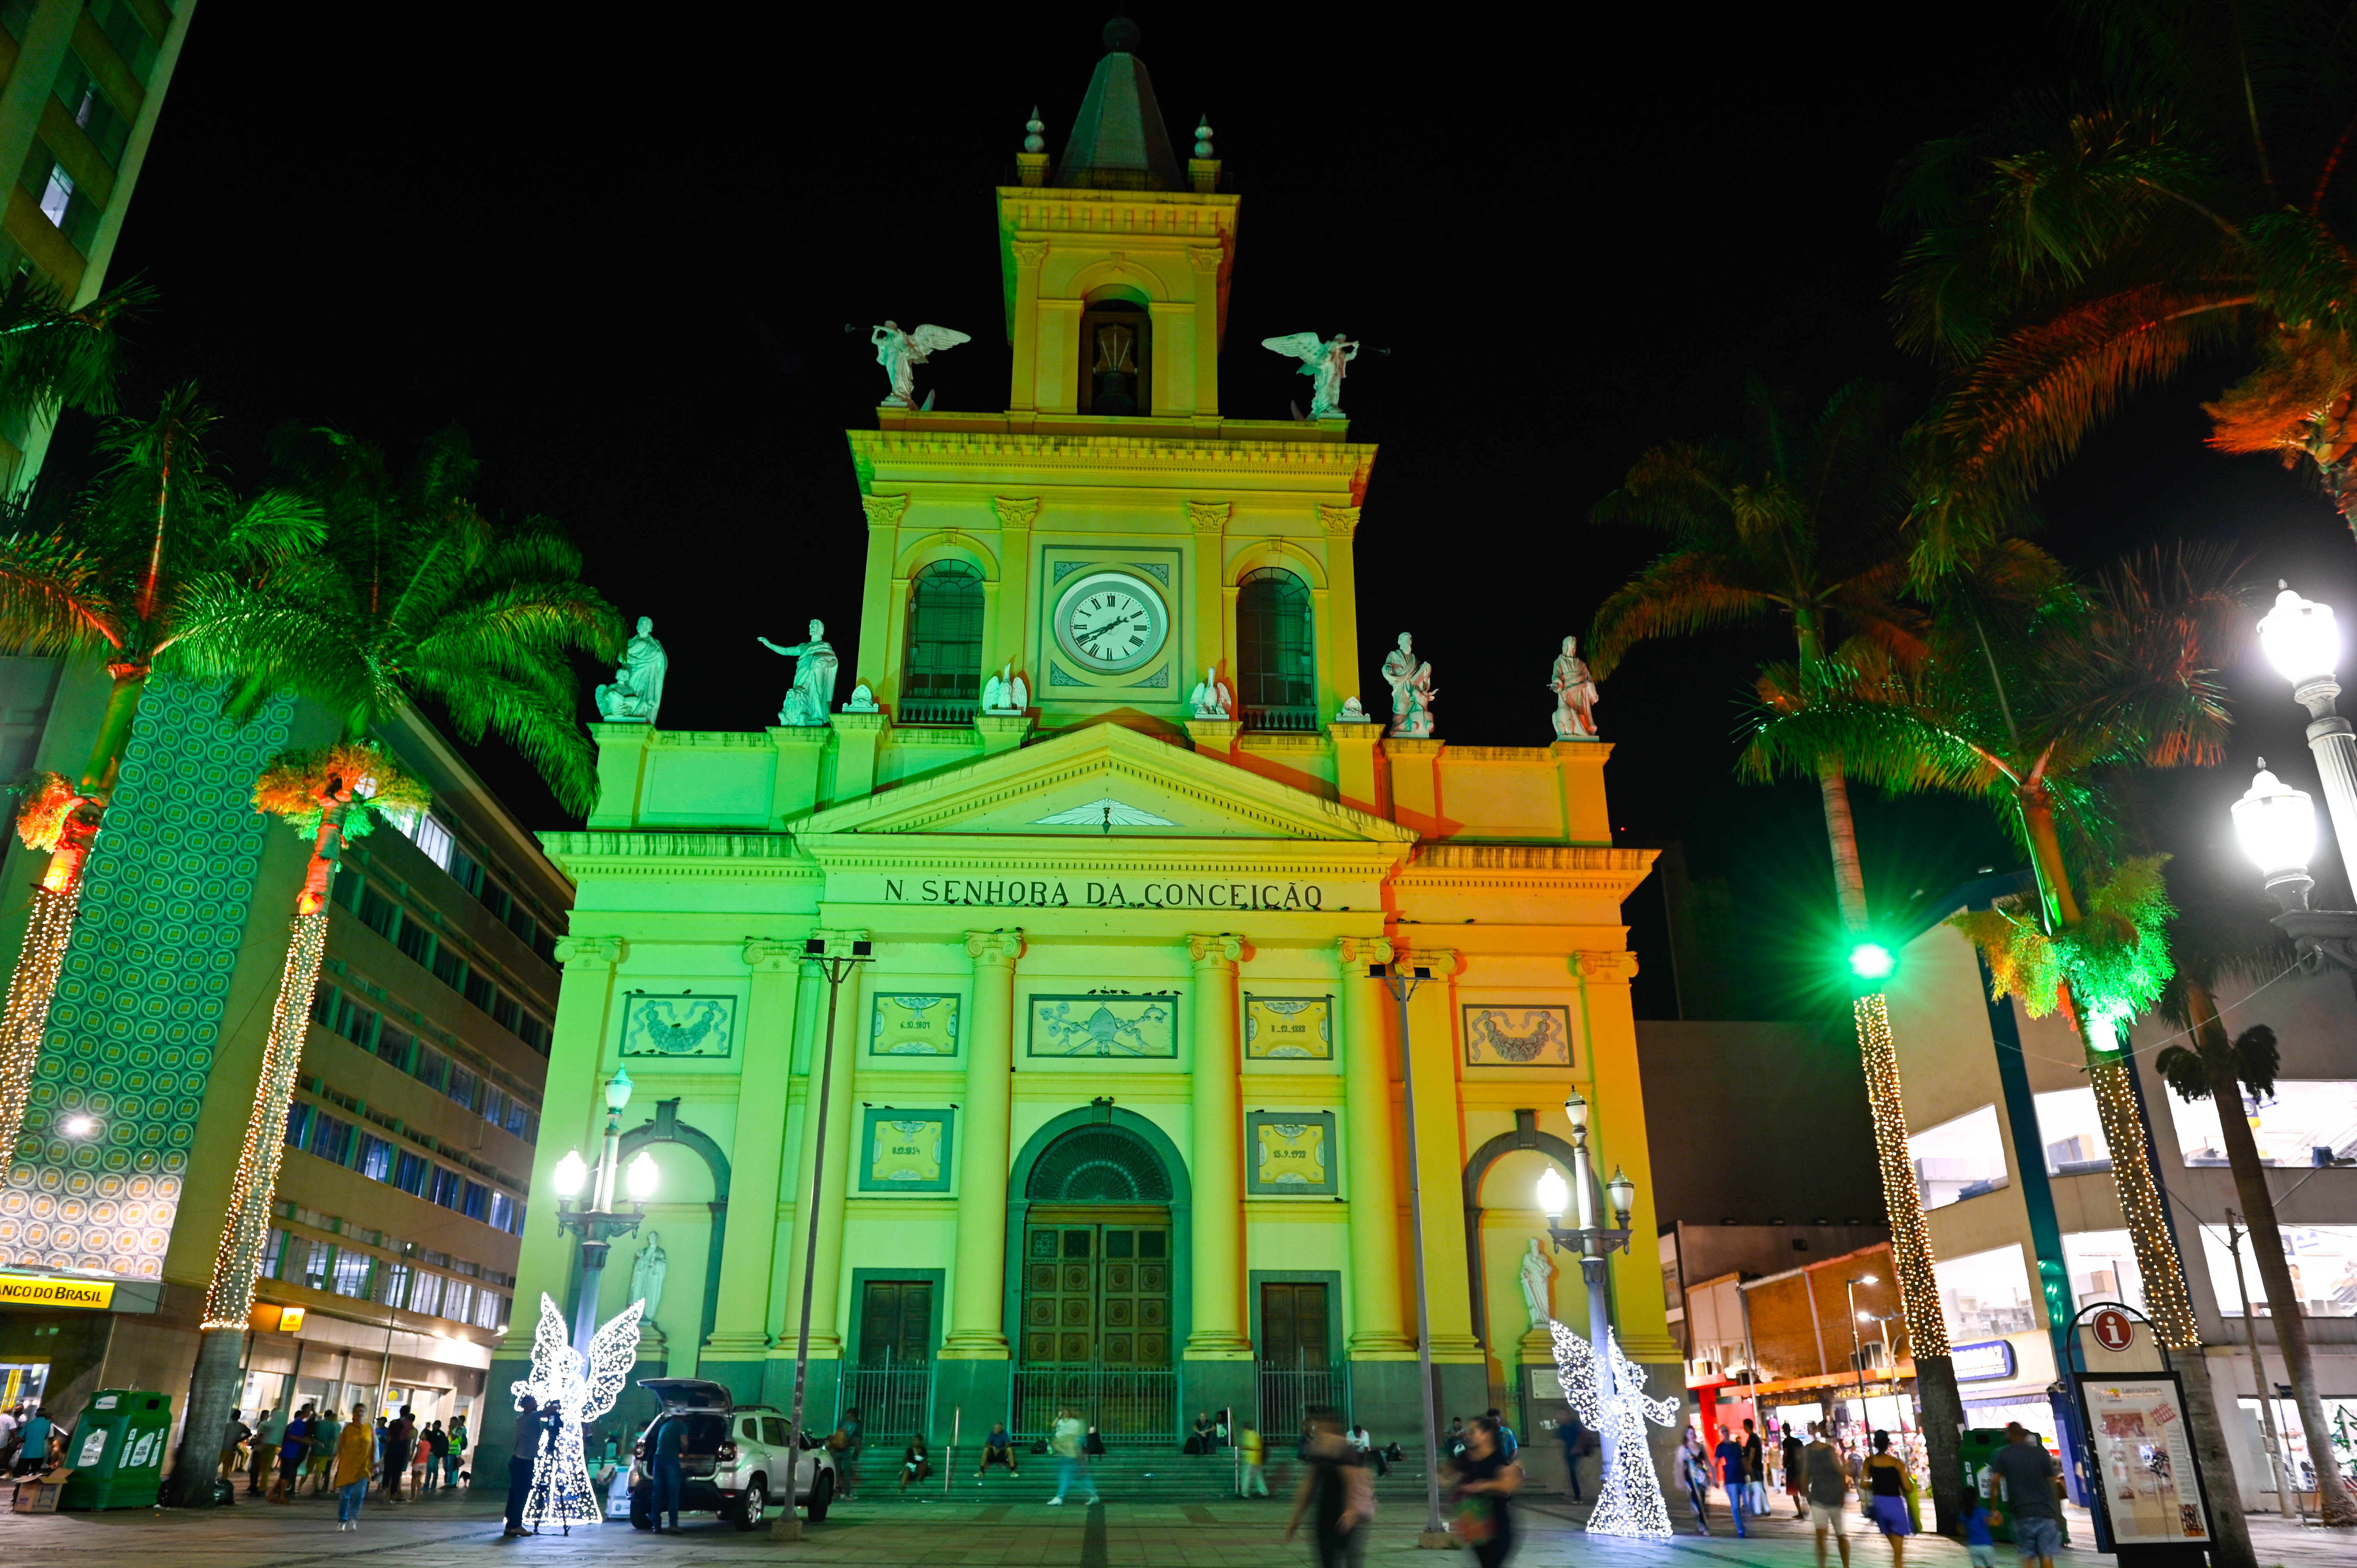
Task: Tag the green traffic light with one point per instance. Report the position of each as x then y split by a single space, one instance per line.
1871 960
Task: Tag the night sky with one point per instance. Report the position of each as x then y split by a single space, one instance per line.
621 249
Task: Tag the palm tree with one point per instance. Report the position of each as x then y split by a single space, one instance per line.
2030 695
2214 939
159 533
2073 251
335 794
1798 522
54 355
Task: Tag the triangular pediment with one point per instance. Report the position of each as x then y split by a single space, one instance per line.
1105 782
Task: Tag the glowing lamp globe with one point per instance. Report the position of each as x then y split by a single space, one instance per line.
618 1090
569 1174
1576 1109
2300 638
2276 824
642 1177
1623 1191
1871 960
1554 1194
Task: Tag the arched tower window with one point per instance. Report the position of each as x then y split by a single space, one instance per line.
941 673
1275 672
1116 358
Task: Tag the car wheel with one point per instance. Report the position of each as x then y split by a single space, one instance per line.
642 1515
821 1497
752 1507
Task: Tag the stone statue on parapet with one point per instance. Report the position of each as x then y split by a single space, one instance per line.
636 692
1004 693
1574 694
901 352
1322 359
1412 693
1210 699
1351 712
811 698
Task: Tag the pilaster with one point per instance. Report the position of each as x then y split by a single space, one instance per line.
1370 1157
1586 818
976 1331
825 1151
1215 737
1220 1330
1205 262
1208 632
1439 1155
802 756
622 770
1358 774
1608 1033
1002 732
740 1318
857 738
1413 766
1029 256
1013 611
1339 673
884 514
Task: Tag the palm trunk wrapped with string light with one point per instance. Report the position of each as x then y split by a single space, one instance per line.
336 794
58 817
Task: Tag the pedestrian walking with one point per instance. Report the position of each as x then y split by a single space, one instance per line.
293 1448
2026 1473
437 1449
1694 1470
40 1437
234 1438
998 1448
916 1463
1254 1452
355 1457
327 1432
1796 1480
421 1462
1507 1441
1732 1475
1755 1469
262 1449
1568 1432
521 1458
853 1432
1979 1544
1072 1460
400 1446
1890 1488
1828 1483
671 1480
1335 1492
455 1465
1485 1479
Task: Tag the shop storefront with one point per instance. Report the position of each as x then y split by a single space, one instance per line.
58 1331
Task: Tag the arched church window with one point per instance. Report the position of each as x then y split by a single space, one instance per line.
1275 672
1116 358
941 674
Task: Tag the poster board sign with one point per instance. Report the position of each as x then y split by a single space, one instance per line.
2144 1469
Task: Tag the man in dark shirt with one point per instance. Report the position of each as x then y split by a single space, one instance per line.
520 1463
1733 1471
1796 1480
2028 1472
1755 1467
1828 1483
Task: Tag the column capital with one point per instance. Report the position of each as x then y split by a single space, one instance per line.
994 947
1218 951
1341 519
1611 967
883 511
591 952
1208 517
1016 511
1029 253
772 955
1442 961
830 935
1357 952
1205 257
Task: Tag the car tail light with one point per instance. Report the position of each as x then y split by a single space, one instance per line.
637 1450
726 1454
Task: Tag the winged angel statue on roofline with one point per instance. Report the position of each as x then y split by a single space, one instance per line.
901 352
1322 359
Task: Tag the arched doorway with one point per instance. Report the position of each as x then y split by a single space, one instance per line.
1098 1252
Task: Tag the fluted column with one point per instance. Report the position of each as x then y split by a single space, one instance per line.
1439 1156
1371 1157
835 1138
757 1156
1220 1330
976 1329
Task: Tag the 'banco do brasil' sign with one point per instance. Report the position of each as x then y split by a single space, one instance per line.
1060 893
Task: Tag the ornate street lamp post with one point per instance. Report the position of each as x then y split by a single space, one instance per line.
2304 645
2276 825
1402 982
1595 1245
601 1221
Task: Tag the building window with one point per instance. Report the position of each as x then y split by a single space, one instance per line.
2323 1262
128 34
1276 670
490 1310
273 1252
475 1203
944 655
298 1125
376 1158
426 1295
392 1045
89 108
457 1300
1983 1295
445 1187
1116 359
2306 1121
1958 1159
503 1210
331 1140
428 834
462 1087
2073 1131
416 943
393 1286
61 200
352 1275
410 1172
2103 1267
432 1069
315 1265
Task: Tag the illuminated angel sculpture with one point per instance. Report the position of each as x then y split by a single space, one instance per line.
1628 1497
1322 359
901 352
561 1492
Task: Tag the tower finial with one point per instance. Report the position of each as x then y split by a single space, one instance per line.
1033 142
1203 138
1122 36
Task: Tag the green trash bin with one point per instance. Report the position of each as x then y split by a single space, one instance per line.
1976 1448
117 1451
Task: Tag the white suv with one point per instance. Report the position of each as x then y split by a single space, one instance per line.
732 1457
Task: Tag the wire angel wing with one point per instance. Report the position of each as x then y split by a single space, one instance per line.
613 1352
932 339
552 1355
1307 346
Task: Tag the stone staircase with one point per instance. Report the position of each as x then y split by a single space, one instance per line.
1130 1476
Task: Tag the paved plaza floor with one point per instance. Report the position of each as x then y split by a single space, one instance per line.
1008 1527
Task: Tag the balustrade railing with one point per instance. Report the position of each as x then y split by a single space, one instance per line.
1133 1407
935 713
1298 721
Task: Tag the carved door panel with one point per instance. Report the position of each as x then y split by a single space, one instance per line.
1096 1293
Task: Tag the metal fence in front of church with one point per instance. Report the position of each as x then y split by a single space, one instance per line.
894 1398
1290 1390
1135 1407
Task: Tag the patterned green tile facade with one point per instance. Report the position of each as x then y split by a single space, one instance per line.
141 1001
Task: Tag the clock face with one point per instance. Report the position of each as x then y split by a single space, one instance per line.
1110 622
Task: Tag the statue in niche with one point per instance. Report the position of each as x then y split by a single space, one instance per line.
1574 694
1536 1272
811 698
901 352
1004 693
1412 693
636 688
1322 359
647 1274
1212 700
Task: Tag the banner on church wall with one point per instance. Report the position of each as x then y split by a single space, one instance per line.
914 1024
1517 1036
905 1151
686 1024
1103 1027
1291 1153
1280 1028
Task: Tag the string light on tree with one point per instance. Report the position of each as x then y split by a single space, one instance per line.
1910 1247
2164 1298
582 1392
53 818
1629 1500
